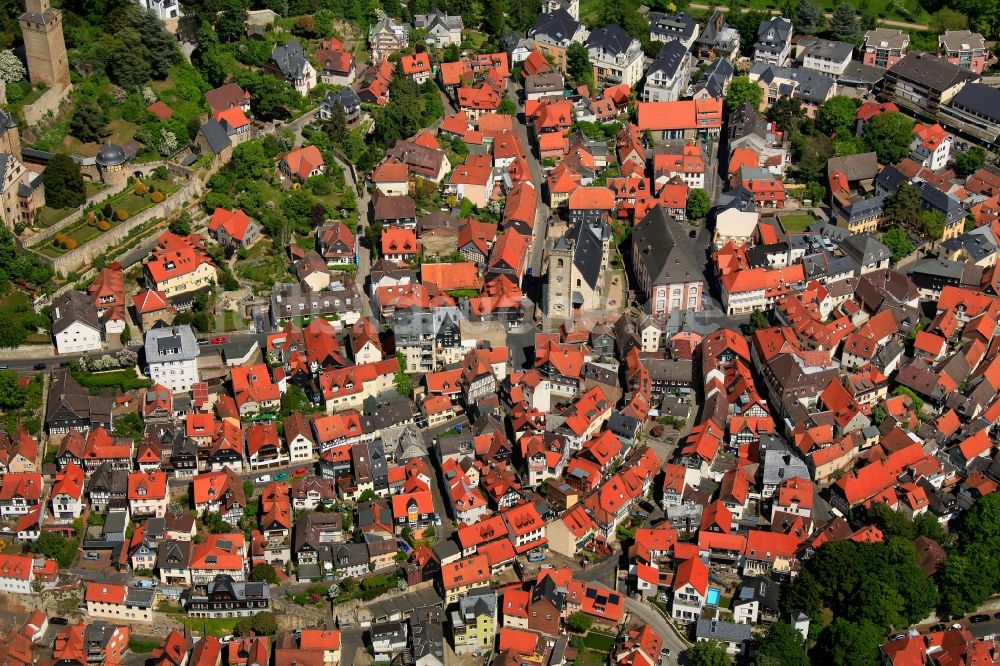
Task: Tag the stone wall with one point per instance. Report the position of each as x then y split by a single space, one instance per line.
86 253
45 108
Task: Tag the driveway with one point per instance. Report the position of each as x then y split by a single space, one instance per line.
646 614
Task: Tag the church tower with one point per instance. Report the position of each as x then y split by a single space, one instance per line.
44 45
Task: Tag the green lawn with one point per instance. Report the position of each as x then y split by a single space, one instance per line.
81 232
587 657
796 222
599 641
220 627
265 264
49 216
18 304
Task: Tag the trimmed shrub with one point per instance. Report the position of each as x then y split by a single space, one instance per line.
91 217
121 214
140 189
103 225
70 244
107 210
157 197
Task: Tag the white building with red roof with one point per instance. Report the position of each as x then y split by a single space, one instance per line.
233 228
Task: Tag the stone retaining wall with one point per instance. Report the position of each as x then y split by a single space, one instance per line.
86 253
45 107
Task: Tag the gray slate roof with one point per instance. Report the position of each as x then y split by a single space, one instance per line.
290 59
171 343
661 243
729 632
72 307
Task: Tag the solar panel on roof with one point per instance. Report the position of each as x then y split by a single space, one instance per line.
591 593
613 598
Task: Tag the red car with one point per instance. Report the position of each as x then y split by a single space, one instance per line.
302 471
220 340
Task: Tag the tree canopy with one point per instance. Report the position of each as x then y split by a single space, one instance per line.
836 115
64 184
898 243
742 89
845 25
698 203
808 17
708 653
783 645
890 135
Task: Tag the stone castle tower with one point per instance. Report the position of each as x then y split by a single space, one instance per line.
44 45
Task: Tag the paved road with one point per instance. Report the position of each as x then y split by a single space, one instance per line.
438 489
532 286
650 616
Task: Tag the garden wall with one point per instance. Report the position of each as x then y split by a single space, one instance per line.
86 253
49 103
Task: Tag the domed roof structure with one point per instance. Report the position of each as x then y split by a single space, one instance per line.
111 154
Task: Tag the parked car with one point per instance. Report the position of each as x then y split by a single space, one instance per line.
58 620
976 619
220 340
536 556
997 615
39 366
146 584
264 478
937 627
281 476
91 556
225 640
301 471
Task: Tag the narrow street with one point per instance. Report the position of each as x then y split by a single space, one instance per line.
533 285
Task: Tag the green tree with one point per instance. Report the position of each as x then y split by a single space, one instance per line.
580 622
890 134
698 204
808 17
180 226
56 547
903 207
298 209
12 396
758 321
787 113
946 19
507 107
161 45
962 587
129 425
812 154
231 22
262 624
898 243
783 645
836 115
129 60
578 65
708 653
846 643
933 223
264 573
845 25
64 184
742 89
89 124
967 162
879 414
208 56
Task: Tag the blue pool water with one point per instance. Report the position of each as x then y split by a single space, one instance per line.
713 596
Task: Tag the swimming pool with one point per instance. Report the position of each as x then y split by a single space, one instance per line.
713 596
